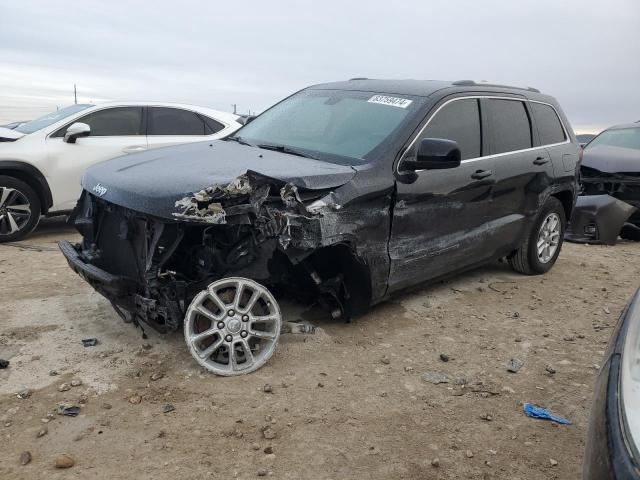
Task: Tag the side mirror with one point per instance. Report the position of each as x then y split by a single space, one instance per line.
75 131
435 154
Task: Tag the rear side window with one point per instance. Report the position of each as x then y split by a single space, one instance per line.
211 126
458 121
549 125
111 122
175 121
510 125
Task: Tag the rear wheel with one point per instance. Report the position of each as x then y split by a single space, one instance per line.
541 249
19 209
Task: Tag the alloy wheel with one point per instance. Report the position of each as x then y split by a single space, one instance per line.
548 237
15 211
233 326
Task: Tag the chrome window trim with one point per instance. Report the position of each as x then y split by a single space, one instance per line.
495 155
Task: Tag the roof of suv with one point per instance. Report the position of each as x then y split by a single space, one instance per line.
421 88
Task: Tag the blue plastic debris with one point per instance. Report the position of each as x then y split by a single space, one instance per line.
542 413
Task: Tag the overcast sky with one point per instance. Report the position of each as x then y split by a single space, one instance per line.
253 52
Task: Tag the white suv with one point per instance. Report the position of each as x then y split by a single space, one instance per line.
42 161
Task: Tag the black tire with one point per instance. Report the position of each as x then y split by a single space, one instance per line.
525 259
10 218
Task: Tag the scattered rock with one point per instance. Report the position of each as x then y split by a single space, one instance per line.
4 363
25 457
508 389
26 393
42 432
269 433
435 377
553 462
68 410
267 388
268 450
135 399
385 360
408 369
262 472
76 382
320 384
89 342
569 338
487 417
63 387
550 369
156 376
514 365
255 446
435 462
606 310
518 339
107 406
444 357
168 408
469 454
53 373
64 461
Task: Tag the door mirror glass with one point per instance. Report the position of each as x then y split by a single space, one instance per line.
75 131
435 154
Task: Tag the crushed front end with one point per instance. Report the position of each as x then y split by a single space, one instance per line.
608 207
151 268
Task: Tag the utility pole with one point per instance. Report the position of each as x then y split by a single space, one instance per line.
75 94
235 106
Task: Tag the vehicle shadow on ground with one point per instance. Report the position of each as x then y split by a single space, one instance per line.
52 229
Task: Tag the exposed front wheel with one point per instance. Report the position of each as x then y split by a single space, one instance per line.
233 326
19 209
541 249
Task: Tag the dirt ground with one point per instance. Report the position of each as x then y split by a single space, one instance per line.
346 403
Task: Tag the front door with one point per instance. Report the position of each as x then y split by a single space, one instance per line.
439 220
114 132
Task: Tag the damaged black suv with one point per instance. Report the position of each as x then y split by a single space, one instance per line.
341 194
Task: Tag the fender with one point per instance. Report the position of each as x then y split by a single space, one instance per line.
31 175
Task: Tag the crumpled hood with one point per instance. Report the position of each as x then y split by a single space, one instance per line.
612 159
8 134
151 182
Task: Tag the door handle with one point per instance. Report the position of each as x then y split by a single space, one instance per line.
478 174
541 161
134 148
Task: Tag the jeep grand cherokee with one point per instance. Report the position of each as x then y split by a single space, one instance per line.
341 194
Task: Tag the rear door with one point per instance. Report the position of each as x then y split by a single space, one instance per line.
115 131
171 126
523 171
439 219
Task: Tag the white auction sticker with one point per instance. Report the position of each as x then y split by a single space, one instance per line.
391 101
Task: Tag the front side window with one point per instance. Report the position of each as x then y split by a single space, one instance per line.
342 126
618 137
175 121
549 125
510 125
111 122
458 121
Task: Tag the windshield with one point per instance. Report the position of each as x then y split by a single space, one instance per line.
50 118
334 125
619 137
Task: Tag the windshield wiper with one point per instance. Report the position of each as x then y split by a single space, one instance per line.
240 140
285 149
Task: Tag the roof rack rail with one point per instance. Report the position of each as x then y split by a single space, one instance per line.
465 83
358 78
